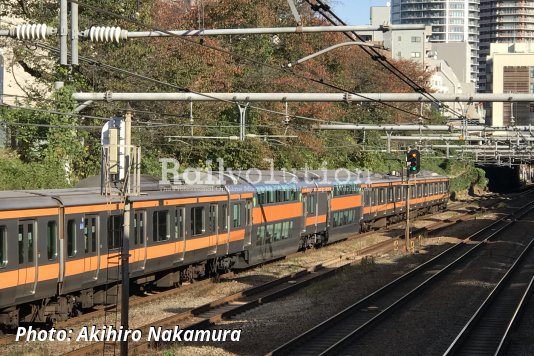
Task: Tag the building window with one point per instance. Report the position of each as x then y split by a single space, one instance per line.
416 39
416 55
400 38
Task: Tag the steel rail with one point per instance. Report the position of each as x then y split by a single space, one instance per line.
520 311
483 333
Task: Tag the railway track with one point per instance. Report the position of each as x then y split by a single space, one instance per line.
337 334
213 312
488 330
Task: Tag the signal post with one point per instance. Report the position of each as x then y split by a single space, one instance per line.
413 165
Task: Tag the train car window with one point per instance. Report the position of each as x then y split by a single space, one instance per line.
139 227
236 215
390 195
382 195
89 232
224 217
277 234
285 230
30 242
197 221
51 240
161 227
310 204
375 196
248 215
21 244
114 231
71 238
259 235
270 197
366 198
261 198
212 218
3 246
413 191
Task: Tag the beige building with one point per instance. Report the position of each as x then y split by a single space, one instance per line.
510 69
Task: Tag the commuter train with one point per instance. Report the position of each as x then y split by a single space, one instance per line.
60 249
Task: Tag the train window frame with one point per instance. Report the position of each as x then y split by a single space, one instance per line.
30 237
310 204
223 218
90 243
3 246
114 231
158 224
236 215
277 232
71 238
51 236
383 197
212 217
285 230
260 232
139 227
391 194
197 227
179 223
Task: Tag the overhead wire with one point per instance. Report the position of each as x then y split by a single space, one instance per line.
244 58
183 89
377 56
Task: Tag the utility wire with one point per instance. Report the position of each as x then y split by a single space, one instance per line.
377 56
244 58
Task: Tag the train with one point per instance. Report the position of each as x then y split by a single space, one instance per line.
60 249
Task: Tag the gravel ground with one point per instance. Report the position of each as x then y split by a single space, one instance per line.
441 312
266 327
369 277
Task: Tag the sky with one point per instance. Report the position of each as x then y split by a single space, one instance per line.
355 12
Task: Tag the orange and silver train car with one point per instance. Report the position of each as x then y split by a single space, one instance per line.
60 249
384 198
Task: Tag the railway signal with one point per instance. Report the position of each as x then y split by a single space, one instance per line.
413 159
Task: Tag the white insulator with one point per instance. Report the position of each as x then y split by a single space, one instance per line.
31 32
105 34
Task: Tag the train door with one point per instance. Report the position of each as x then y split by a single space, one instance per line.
179 233
214 228
28 258
248 222
139 241
91 248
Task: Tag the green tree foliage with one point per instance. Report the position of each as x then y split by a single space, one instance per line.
255 63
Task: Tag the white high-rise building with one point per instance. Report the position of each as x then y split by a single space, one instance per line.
451 21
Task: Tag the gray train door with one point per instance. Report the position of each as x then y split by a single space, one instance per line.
179 233
91 248
28 257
